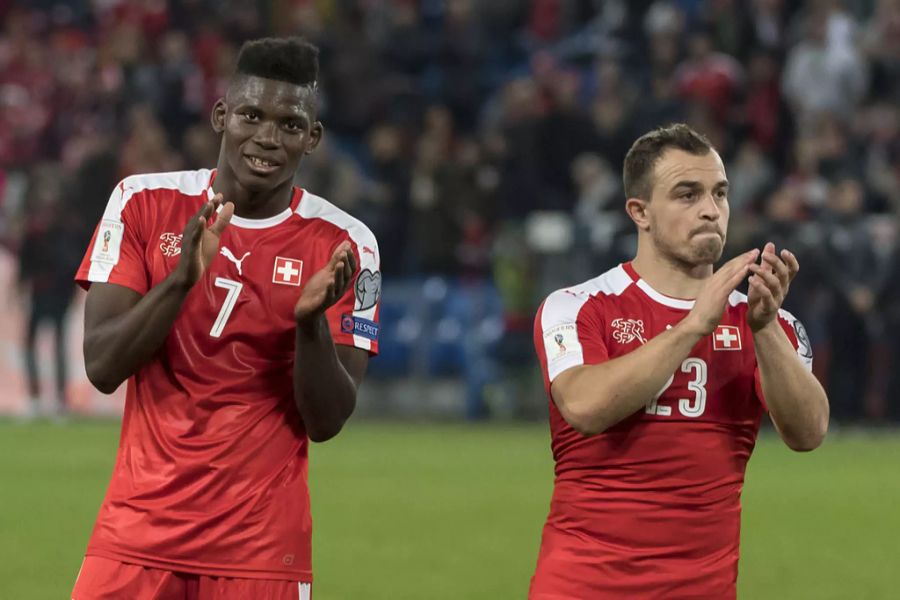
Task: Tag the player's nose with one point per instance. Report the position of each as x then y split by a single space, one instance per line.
709 208
266 135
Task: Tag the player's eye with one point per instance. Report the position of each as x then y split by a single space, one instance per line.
688 196
251 116
293 126
722 194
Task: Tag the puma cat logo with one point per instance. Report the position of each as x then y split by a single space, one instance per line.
238 263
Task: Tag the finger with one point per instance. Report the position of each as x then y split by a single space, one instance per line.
764 293
781 269
769 248
339 275
351 262
769 278
223 218
737 278
217 199
338 254
793 265
206 210
731 274
349 266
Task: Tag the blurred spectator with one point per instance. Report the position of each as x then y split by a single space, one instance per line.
48 257
846 265
825 71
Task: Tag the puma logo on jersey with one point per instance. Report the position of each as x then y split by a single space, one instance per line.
628 330
237 262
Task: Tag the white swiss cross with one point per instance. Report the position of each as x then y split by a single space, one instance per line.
727 338
287 271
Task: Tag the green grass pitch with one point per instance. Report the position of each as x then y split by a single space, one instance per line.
431 512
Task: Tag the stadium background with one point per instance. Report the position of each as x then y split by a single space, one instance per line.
482 142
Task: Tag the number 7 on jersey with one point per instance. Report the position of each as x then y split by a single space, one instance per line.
234 289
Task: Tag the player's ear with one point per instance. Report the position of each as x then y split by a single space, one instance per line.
637 210
316 133
217 117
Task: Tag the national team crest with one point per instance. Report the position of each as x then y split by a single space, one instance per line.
727 337
288 271
628 330
170 244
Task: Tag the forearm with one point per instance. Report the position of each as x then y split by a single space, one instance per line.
323 389
796 400
596 397
115 349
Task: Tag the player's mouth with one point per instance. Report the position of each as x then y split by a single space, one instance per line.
261 166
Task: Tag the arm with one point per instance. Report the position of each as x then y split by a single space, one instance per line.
122 329
593 398
797 403
326 377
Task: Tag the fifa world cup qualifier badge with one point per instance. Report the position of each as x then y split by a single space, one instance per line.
561 341
108 242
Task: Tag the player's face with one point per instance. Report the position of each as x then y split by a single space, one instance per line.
688 211
268 126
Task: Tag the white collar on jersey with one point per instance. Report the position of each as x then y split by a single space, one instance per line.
244 223
655 295
663 299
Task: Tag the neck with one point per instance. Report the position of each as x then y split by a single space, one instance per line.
667 275
252 204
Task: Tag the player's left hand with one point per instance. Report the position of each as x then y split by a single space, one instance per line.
769 285
327 286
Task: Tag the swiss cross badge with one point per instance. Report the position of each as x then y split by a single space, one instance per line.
727 337
287 271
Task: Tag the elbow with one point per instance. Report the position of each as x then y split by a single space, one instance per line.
321 434
100 379
808 440
585 422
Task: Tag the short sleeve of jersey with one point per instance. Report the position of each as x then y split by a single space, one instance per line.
116 252
353 319
568 333
796 332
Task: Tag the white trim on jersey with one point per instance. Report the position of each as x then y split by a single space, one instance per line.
559 318
245 223
190 183
304 590
663 299
316 207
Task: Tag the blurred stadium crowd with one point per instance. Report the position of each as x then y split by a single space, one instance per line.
483 141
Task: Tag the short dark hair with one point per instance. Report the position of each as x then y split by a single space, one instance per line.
290 59
637 174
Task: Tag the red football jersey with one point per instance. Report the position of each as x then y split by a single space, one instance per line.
210 476
650 508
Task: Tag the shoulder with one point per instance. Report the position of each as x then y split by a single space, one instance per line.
313 207
189 183
565 305
136 196
160 186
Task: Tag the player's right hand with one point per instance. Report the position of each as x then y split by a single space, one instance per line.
710 304
200 240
